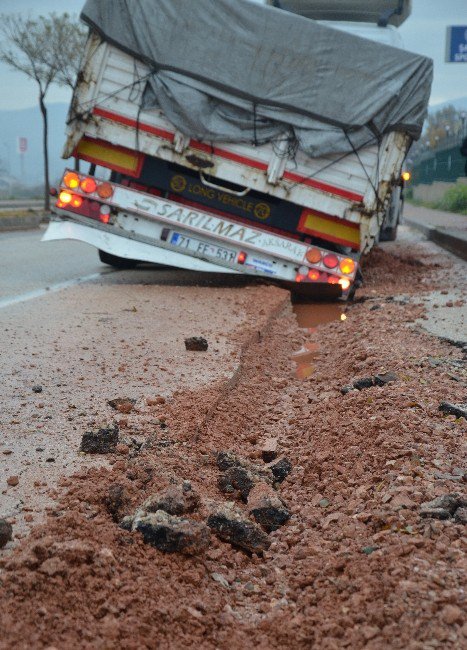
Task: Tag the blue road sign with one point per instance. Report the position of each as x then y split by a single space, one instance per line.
456 44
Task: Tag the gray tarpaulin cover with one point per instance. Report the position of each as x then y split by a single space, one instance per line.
237 71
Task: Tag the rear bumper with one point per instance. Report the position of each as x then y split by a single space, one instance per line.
125 247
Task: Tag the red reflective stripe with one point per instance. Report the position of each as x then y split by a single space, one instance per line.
229 155
116 117
223 153
319 185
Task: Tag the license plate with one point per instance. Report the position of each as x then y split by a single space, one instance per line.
200 247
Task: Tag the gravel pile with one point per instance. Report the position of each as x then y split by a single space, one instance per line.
312 515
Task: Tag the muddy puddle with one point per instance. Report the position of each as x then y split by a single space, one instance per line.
309 317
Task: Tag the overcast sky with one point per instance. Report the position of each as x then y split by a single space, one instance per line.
424 32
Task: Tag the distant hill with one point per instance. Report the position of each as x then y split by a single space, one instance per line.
459 104
27 123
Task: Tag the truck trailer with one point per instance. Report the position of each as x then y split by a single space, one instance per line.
237 136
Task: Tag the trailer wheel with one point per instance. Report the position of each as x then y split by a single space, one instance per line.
117 262
388 234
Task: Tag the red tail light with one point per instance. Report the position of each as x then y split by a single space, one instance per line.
88 185
241 259
330 261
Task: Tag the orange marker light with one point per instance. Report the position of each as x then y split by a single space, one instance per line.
65 197
333 280
313 275
406 176
71 180
313 256
347 266
76 201
105 190
88 185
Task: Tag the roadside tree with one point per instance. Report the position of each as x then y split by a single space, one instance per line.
46 49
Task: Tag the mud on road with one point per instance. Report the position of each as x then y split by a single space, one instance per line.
362 560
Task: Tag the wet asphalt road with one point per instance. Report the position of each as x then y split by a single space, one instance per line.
30 269
28 265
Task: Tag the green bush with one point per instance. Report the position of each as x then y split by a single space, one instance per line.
454 200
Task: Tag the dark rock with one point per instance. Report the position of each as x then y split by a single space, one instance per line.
447 501
269 450
232 526
347 389
196 344
386 378
6 532
442 507
37 389
237 478
461 515
267 508
240 473
226 459
435 513
102 441
117 501
459 410
173 534
375 307
122 404
440 476
281 469
365 382
175 500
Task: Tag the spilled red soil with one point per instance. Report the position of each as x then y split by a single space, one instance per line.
356 566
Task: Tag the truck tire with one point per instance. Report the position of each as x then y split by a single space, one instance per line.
117 262
388 231
388 234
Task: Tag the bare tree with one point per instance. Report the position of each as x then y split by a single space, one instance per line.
66 48
46 49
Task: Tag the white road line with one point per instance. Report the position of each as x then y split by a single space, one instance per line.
39 293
